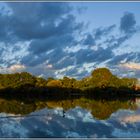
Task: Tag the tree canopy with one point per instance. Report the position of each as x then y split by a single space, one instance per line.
100 78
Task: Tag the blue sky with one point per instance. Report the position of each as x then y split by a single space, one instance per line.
72 39
106 13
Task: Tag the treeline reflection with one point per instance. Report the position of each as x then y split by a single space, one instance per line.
100 109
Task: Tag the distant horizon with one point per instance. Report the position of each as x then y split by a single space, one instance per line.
55 78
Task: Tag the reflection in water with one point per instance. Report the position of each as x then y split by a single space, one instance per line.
77 122
77 118
137 102
100 109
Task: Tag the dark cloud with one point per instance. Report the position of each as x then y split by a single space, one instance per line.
64 62
128 23
89 55
117 59
89 40
36 20
116 42
48 26
32 60
126 57
39 10
74 72
99 32
1 51
56 56
5 29
43 45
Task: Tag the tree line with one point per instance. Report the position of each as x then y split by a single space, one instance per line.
101 83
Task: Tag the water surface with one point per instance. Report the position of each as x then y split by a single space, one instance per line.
70 118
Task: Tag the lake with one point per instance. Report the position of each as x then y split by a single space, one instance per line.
70 118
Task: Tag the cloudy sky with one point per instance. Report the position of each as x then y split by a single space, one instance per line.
72 39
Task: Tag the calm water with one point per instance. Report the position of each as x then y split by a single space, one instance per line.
76 118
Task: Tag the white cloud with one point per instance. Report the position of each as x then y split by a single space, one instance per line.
132 118
12 69
131 65
49 66
74 49
41 75
16 67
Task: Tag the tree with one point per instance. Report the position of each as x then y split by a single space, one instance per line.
40 82
54 83
68 82
101 77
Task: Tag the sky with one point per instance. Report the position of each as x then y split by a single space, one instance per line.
51 39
